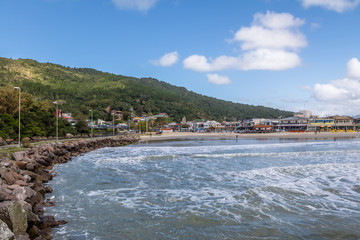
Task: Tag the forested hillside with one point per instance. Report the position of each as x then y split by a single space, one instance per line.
81 89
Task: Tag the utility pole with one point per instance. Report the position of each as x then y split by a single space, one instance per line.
57 120
91 125
113 125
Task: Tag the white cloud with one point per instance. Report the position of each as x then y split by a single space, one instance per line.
218 79
260 37
140 5
167 60
353 68
202 64
269 59
330 92
277 20
336 5
270 43
341 95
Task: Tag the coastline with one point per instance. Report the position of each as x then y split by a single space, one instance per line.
231 135
23 178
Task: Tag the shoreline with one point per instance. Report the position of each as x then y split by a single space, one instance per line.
231 135
23 185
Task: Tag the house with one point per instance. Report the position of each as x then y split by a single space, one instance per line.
317 124
68 117
209 124
261 128
334 123
343 123
294 124
117 114
198 126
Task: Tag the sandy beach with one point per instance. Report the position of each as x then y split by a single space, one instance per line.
282 135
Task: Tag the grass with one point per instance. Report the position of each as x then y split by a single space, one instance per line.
6 152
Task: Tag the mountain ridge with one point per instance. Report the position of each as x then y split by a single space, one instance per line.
85 88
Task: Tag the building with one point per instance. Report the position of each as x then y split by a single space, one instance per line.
262 128
343 123
294 124
303 114
317 124
334 123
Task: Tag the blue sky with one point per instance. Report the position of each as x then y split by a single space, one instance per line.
286 54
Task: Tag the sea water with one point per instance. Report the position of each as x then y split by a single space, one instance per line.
211 189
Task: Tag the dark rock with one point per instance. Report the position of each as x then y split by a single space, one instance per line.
38 209
46 176
44 234
48 189
6 194
30 166
33 232
21 164
21 183
47 222
49 203
42 162
31 174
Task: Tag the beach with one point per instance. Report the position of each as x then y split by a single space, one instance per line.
228 135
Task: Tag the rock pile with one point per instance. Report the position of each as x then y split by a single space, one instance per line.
22 189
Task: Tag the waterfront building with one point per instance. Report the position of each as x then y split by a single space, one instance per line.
317 124
294 124
334 123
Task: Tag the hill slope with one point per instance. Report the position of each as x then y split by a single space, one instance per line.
84 88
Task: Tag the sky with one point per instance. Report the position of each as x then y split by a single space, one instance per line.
286 54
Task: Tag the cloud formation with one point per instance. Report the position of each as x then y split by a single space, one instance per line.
353 68
167 60
342 95
335 5
270 43
139 5
218 79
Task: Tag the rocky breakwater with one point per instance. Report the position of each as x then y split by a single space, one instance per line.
22 185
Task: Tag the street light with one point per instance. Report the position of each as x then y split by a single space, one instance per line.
57 120
91 112
19 112
113 124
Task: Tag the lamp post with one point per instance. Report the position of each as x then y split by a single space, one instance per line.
18 88
91 112
113 122
57 120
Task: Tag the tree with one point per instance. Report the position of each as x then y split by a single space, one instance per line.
82 127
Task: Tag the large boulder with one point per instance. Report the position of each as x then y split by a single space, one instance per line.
5 232
13 214
6 194
24 193
19 156
8 176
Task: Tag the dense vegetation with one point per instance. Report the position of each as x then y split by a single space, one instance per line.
81 89
37 117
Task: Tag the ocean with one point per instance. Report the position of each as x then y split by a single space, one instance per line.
211 189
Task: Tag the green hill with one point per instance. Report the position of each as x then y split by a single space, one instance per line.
82 89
